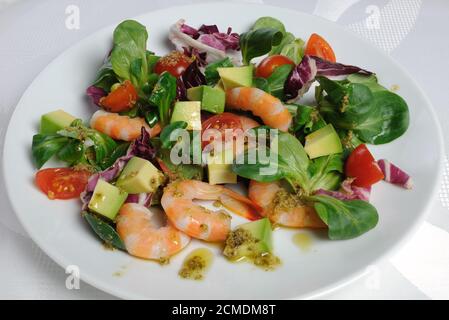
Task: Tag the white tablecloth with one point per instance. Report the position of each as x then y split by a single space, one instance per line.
33 32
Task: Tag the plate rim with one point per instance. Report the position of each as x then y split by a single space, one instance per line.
327 289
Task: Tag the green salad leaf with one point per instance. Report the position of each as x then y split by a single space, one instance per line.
104 231
106 77
268 22
118 152
129 54
274 84
326 172
166 143
46 146
345 219
211 72
74 145
256 43
293 49
163 96
181 171
375 116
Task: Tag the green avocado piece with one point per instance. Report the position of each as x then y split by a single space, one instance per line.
54 121
212 99
323 142
139 176
188 111
250 240
107 199
236 76
219 168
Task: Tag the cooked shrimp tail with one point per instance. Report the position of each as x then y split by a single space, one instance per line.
138 227
197 221
121 127
269 108
283 208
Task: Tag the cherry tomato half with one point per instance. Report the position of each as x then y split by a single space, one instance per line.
175 63
362 166
62 183
267 65
121 99
318 47
221 122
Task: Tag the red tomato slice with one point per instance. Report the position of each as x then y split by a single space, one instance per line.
318 47
221 122
62 183
121 99
267 65
362 166
175 63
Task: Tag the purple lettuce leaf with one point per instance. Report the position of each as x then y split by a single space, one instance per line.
208 29
348 192
181 91
211 41
96 94
141 147
327 68
141 198
200 57
301 78
192 76
304 74
184 28
395 175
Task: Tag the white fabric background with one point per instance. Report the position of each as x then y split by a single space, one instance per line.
33 32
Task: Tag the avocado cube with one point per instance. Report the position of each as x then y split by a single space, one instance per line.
250 240
195 93
323 142
212 99
188 111
236 76
107 199
139 176
54 121
220 85
219 168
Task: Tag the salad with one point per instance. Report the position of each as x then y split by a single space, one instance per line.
222 108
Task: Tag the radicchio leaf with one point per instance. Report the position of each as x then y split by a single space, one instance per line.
327 68
303 75
192 76
143 199
96 94
208 29
301 78
348 192
208 40
395 175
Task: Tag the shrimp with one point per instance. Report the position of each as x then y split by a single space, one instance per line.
138 227
121 127
197 221
282 207
270 109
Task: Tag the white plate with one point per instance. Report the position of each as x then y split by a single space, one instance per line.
58 229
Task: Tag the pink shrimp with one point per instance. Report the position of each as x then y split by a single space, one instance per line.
282 207
138 227
270 109
197 221
121 127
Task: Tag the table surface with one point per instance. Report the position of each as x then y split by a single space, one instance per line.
32 33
